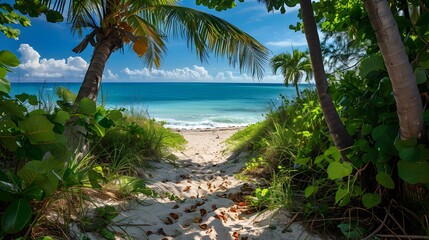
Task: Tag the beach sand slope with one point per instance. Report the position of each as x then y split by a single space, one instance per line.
200 198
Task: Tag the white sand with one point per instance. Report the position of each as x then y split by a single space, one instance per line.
203 180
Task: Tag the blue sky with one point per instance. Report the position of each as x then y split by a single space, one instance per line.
45 51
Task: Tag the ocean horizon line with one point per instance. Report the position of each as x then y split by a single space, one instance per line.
166 82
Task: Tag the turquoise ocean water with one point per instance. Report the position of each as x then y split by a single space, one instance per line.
183 105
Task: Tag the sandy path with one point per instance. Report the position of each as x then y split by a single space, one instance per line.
202 186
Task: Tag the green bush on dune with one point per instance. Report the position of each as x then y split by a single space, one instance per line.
304 171
134 141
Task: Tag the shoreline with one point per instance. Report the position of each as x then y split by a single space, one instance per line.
215 129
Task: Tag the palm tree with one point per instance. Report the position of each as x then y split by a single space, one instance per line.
293 67
407 96
145 25
339 134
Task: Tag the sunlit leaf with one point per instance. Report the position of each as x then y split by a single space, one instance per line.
338 170
8 58
87 106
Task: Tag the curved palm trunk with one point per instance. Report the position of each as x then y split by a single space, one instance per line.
91 83
407 97
297 91
338 132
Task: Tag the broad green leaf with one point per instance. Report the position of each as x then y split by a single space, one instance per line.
366 129
385 180
44 173
342 197
6 135
310 190
12 109
8 58
87 106
414 172
38 129
16 216
371 155
385 87
363 145
38 112
371 63
417 154
61 117
371 200
421 76
4 84
379 132
338 170
403 144
33 192
115 115
333 152
351 127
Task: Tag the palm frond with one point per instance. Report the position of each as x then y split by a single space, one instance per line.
207 33
154 38
85 14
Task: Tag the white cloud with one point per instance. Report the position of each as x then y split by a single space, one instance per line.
34 66
288 43
110 75
195 73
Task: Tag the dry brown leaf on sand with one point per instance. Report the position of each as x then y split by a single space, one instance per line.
175 216
187 188
203 212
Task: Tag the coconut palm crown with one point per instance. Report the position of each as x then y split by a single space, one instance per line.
145 24
293 67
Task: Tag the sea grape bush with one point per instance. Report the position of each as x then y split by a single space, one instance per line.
35 155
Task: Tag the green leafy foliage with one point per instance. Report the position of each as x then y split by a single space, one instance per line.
33 144
371 200
371 63
338 170
219 5
38 129
87 107
16 216
352 230
414 172
102 218
385 180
